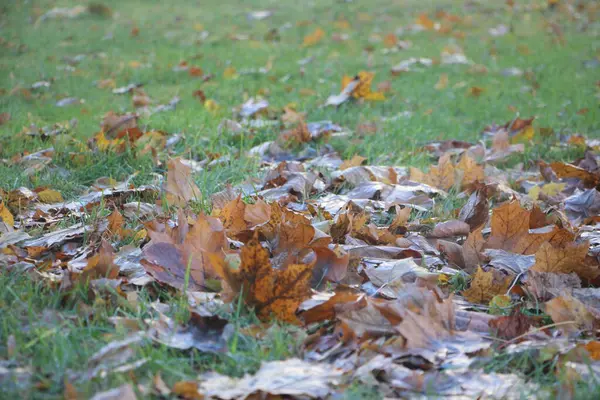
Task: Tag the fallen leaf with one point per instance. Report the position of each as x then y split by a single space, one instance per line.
313 38
565 259
180 188
510 230
571 313
123 392
205 333
289 378
486 285
50 196
270 291
511 326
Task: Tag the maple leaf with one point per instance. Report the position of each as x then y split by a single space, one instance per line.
180 188
510 231
441 176
486 285
565 259
471 171
272 292
172 252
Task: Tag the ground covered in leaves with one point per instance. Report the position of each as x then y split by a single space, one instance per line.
315 200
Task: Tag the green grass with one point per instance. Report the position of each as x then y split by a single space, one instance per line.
169 33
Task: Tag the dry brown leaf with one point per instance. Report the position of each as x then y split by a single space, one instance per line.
115 223
476 211
450 228
100 265
510 231
232 216
441 176
571 313
270 291
324 306
511 326
471 171
180 187
563 170
113 123
353 162
472 250
486 285
565 259
546 285
172 252
291 378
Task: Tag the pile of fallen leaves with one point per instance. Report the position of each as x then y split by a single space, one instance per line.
358 255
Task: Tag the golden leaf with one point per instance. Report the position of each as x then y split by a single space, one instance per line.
270 291
6 216
115 223
486 285
313 38
50 196
472 172
353 162
441 176
564 259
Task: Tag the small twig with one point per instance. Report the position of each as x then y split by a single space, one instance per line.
541 328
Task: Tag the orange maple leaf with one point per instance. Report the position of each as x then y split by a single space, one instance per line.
270 291
510 231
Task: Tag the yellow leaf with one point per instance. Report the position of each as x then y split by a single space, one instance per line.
230 73
140 235
50 196
211 106
525 135
6 216
486 285
549 189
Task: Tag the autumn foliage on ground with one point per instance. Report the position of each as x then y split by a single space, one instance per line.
401 278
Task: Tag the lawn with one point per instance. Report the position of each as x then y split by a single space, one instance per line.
489 63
